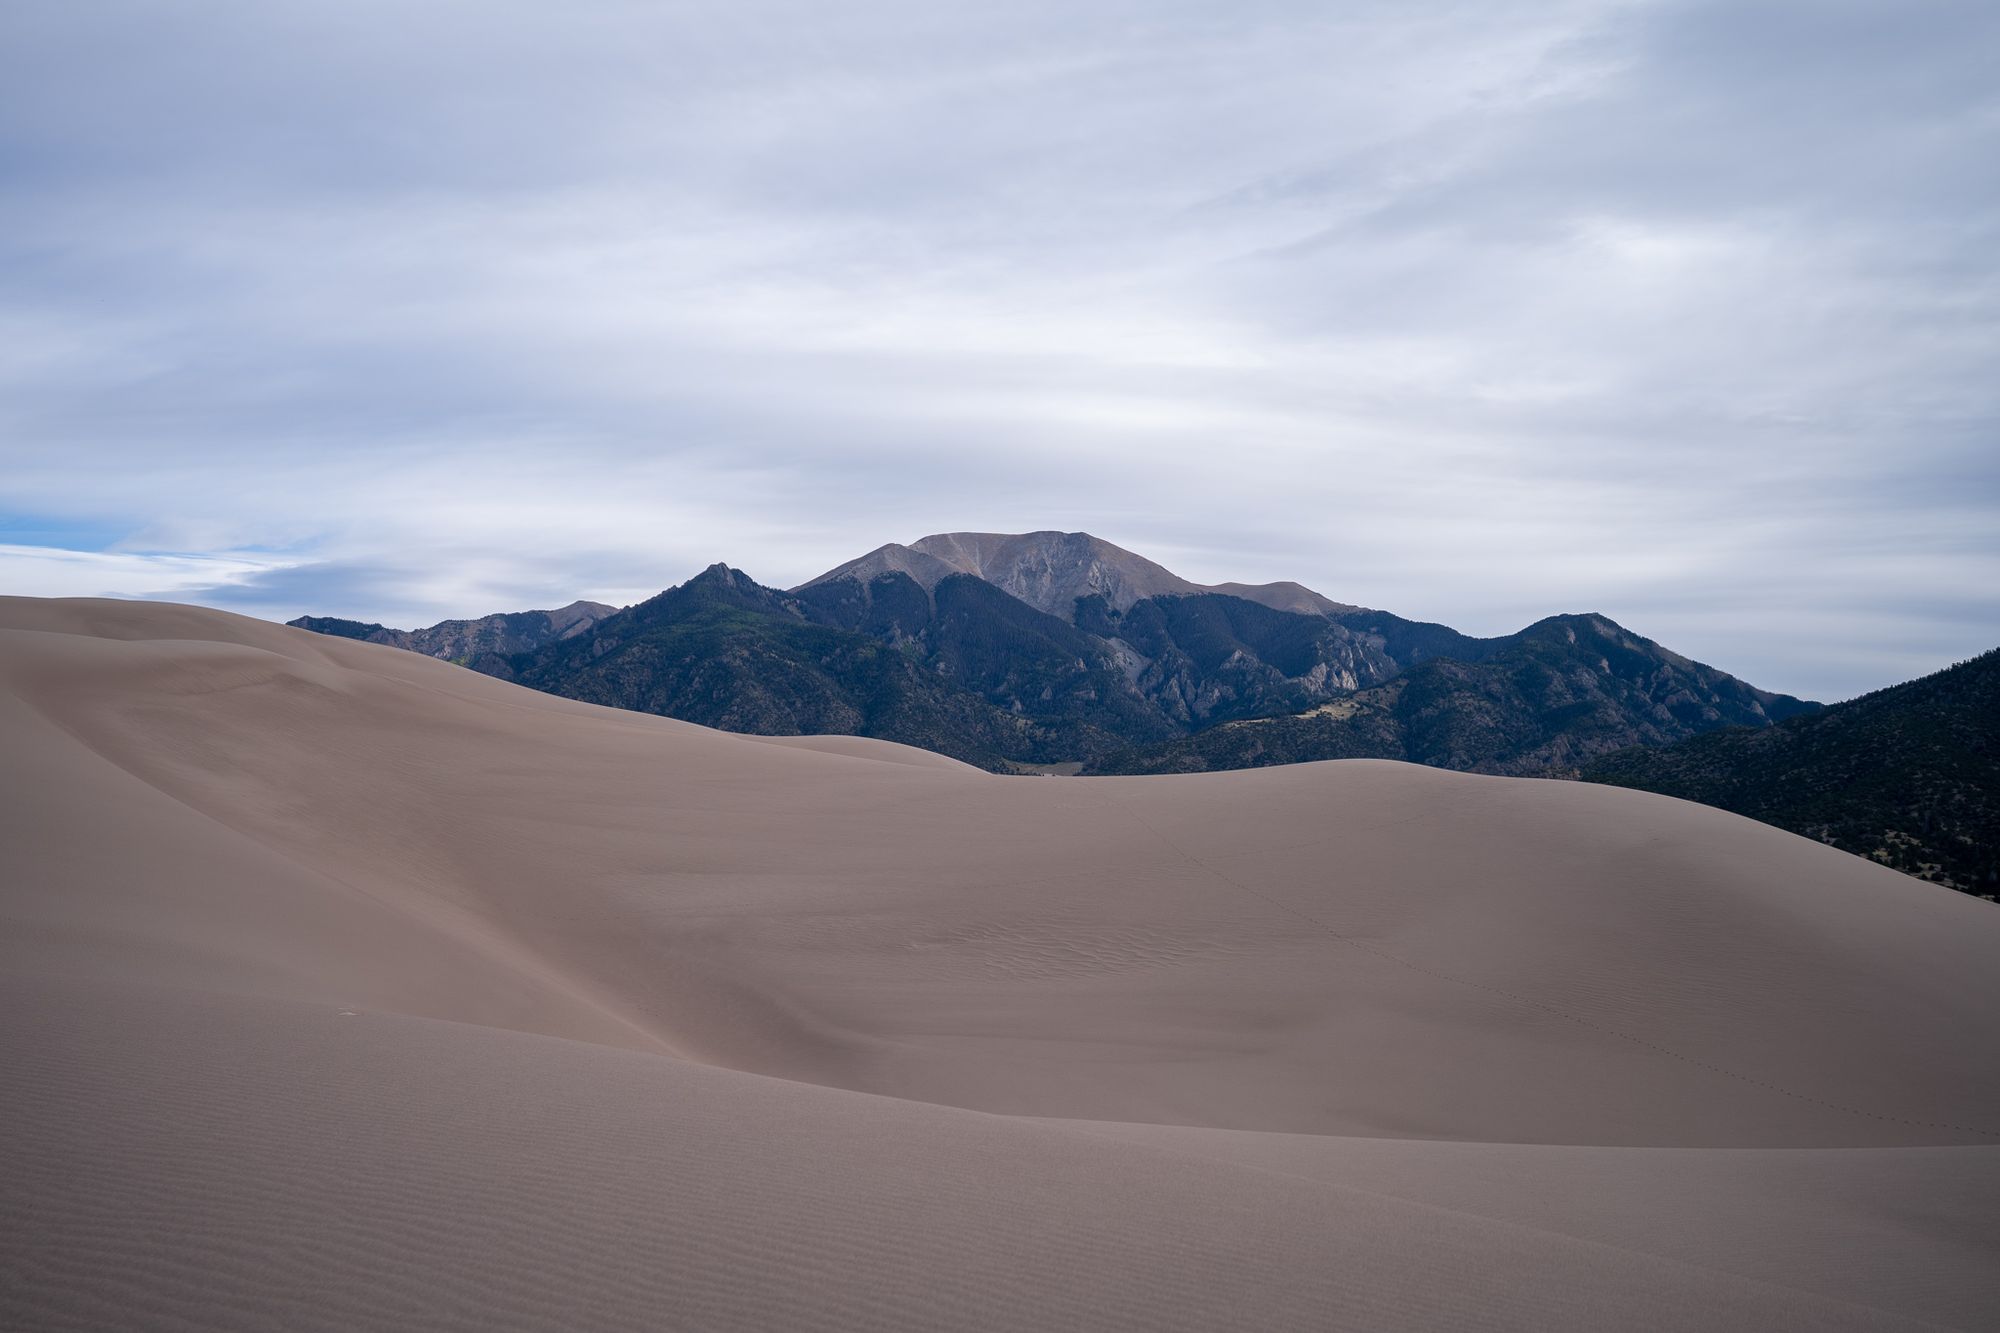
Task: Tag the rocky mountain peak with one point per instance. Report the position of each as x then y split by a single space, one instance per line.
1050 570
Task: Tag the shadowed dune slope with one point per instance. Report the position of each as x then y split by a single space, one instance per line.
348 988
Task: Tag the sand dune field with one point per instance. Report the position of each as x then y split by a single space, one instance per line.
345 988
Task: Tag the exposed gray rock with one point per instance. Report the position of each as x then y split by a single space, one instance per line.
1051 570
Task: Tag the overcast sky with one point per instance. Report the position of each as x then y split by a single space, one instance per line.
1683 312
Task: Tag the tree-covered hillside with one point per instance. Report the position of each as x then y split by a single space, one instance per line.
1909 776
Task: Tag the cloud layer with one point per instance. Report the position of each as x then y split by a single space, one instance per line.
1685 312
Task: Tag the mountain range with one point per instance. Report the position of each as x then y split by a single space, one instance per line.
1062 650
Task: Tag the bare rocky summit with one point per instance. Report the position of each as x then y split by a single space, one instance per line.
1051 570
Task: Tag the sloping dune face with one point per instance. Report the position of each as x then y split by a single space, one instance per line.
347 988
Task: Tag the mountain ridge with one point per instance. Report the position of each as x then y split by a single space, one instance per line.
1539 701
461 641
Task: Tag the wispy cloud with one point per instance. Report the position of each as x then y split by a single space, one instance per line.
1681 311
55 572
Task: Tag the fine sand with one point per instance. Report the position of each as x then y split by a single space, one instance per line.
344 988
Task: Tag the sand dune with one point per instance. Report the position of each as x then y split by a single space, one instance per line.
346 988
